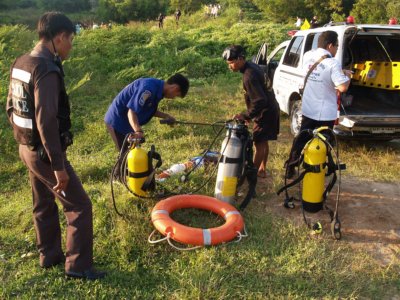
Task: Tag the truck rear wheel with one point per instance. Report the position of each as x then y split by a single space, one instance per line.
295 117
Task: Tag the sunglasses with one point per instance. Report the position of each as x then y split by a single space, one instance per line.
232 54
229 54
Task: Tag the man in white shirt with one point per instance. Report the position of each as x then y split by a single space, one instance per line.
319 101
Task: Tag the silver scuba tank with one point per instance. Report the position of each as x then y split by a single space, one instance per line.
228 167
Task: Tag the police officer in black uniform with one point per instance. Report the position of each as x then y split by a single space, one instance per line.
39 112
262 107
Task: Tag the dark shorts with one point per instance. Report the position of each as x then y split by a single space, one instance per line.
266 127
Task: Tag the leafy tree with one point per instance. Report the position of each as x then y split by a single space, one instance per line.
283 11
124 10
321 9
347 6
392 10
12 4
108 10
5 3
232 3
64 5
286 10
94 3
326 11
370 11
187 6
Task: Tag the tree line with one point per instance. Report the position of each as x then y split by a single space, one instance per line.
281 11
364 11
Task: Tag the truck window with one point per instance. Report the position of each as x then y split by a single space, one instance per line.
274 62
277 57
311 41
292 56
376 48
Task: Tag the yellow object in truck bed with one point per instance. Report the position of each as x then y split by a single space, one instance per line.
381 75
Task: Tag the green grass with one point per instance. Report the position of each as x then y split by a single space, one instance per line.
277 260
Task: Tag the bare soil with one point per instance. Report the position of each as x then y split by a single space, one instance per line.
369 213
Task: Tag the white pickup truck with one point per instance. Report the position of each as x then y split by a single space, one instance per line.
371 106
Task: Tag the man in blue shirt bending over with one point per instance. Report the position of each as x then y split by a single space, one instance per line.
138 102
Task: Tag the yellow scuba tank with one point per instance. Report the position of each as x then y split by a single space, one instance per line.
138 170
314 180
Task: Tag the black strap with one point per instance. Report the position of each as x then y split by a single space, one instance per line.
139 174
313 168
293 183
251 175
229 160
149 184
331 164
330 186
312 69
247 169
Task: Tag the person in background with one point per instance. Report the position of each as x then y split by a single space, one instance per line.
178 14
262 107
319 101
314 22
160 20
39 111
298 23
78 28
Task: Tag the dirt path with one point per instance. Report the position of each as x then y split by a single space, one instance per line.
369 214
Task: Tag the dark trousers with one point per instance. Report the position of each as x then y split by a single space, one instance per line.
301 140
77 210
117 137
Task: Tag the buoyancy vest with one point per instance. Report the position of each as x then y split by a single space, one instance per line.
26 72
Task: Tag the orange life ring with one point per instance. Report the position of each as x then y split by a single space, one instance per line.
160 216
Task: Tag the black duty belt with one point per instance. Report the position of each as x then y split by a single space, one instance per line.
229 160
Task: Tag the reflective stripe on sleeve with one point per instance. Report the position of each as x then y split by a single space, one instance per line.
22 75
22 122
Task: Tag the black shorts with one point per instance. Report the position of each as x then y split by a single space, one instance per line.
266 127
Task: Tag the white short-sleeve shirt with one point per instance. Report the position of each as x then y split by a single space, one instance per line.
319 99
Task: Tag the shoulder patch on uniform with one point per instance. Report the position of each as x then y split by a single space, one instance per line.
144 96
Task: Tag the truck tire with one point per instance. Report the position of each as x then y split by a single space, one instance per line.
295 117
